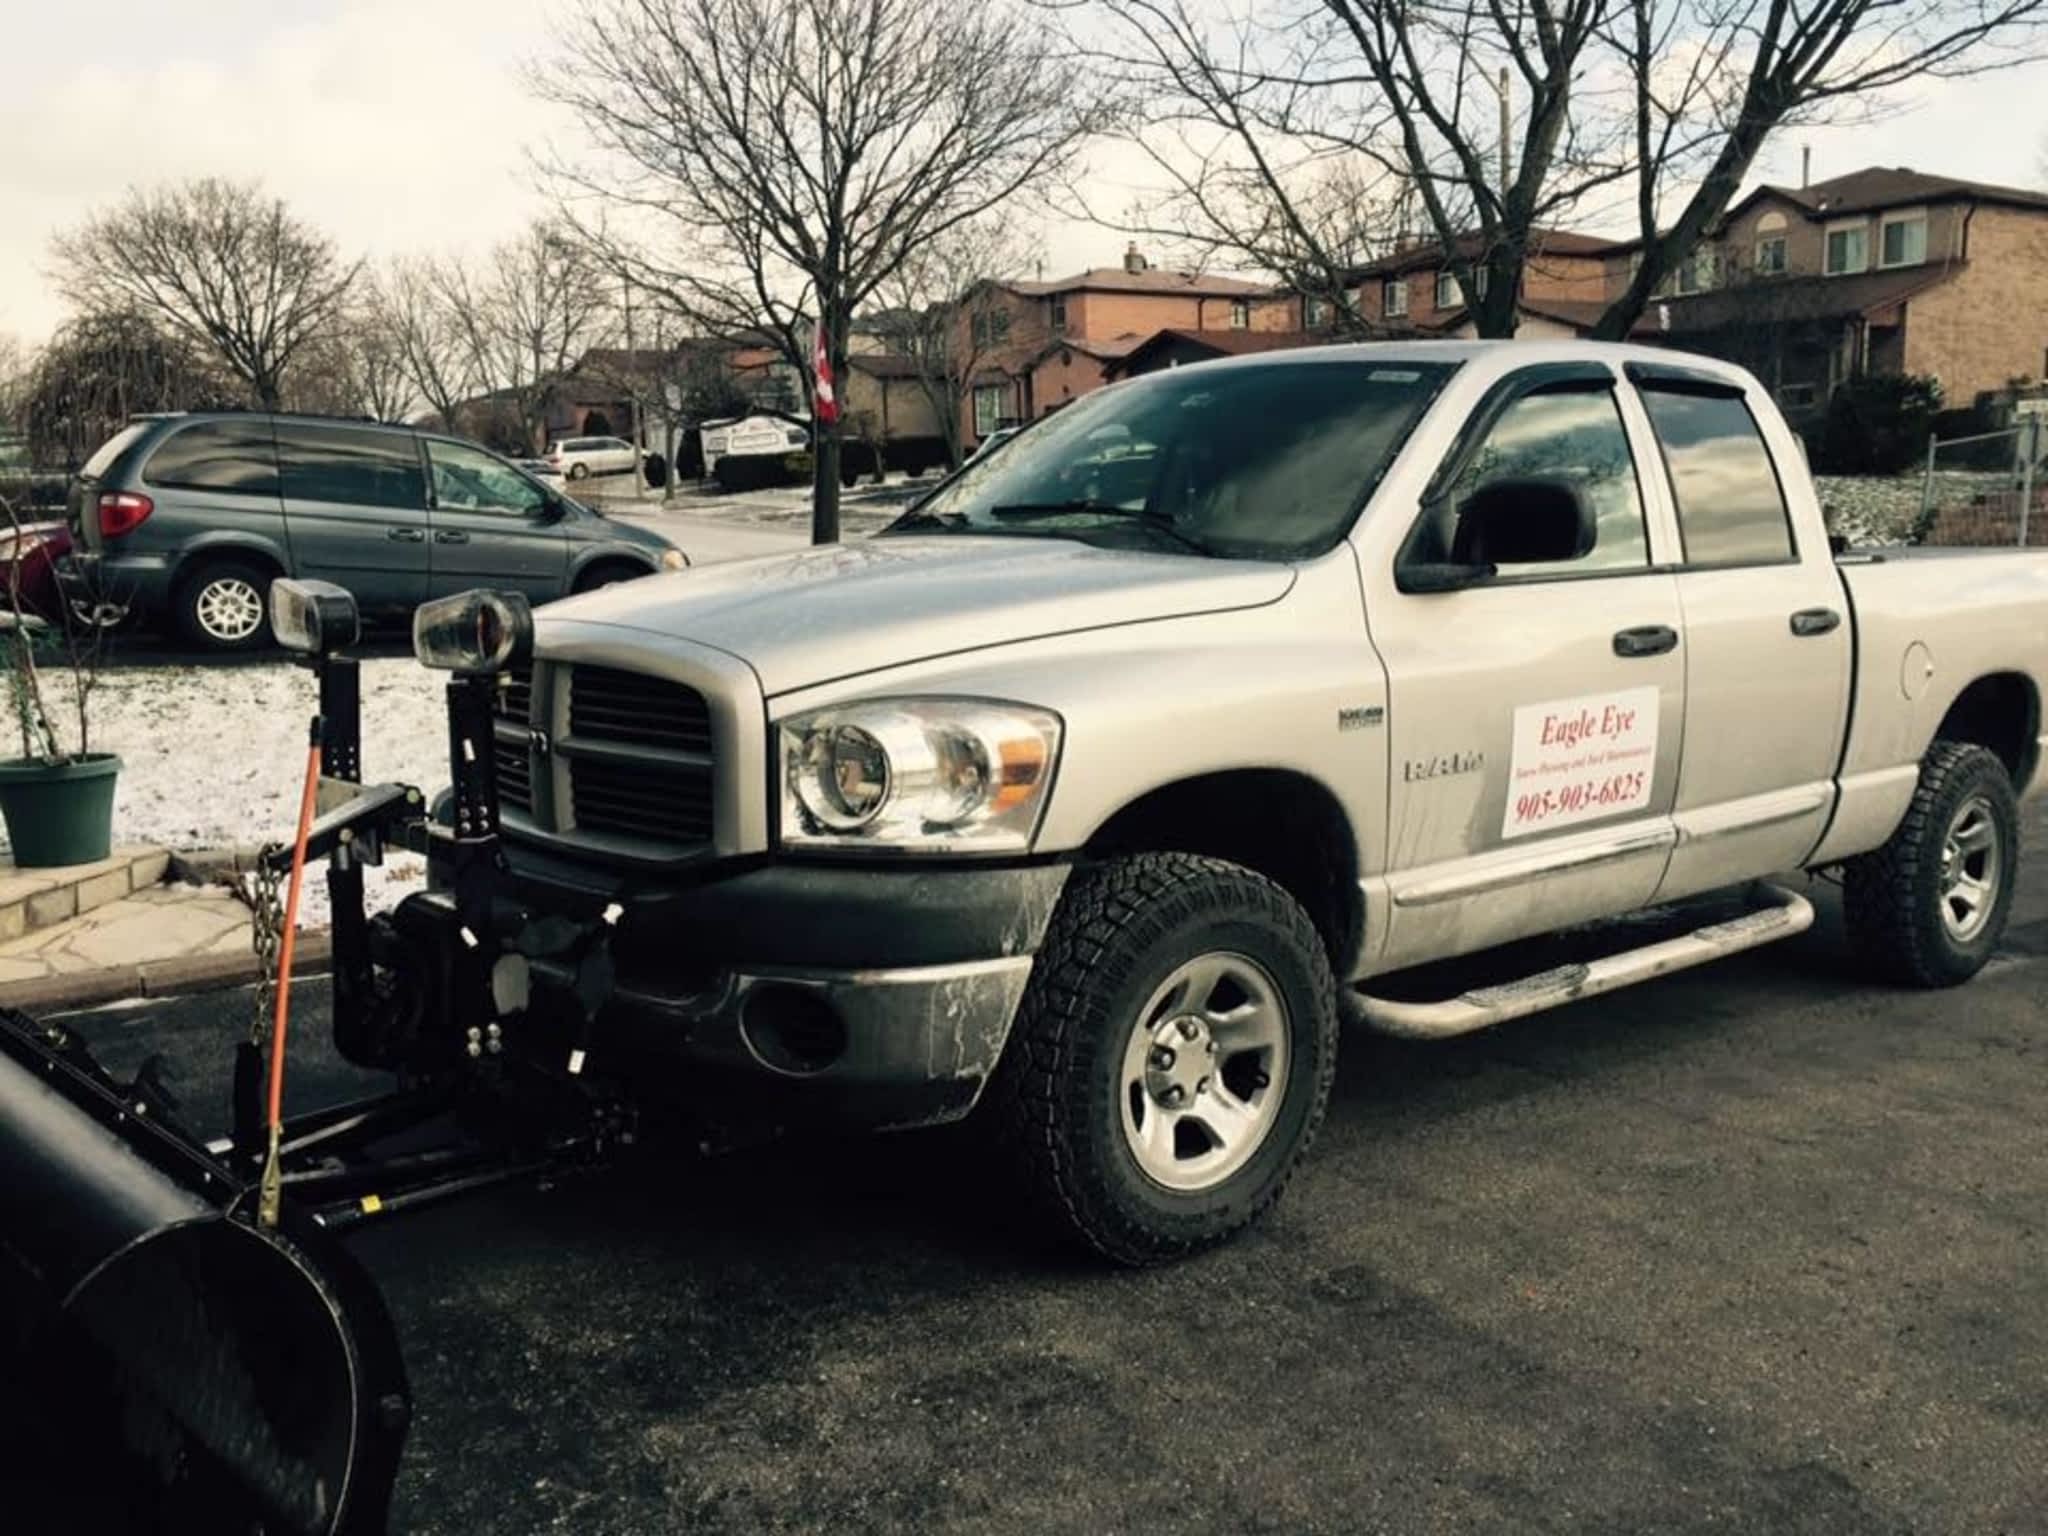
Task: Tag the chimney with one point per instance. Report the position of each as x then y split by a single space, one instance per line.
1134 259
1805 167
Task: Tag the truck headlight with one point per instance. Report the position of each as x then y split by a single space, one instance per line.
917 775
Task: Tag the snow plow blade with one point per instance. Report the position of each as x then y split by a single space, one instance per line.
170 1365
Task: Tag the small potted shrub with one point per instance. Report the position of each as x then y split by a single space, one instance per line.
58 796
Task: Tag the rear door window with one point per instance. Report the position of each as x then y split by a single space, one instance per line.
112 449
351 466
1731 509
217 456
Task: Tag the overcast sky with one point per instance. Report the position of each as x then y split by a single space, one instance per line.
405 124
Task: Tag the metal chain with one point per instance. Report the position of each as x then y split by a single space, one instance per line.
266 936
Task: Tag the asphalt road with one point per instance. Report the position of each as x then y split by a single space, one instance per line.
1759 1248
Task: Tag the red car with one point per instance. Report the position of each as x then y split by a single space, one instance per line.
28 566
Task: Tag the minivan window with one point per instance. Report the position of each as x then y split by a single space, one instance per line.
346 464
1731 510
112 449
1264 461
469 480
217 456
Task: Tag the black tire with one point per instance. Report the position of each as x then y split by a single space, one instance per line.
608 572
578 471
1902 901
202 605
1057 1104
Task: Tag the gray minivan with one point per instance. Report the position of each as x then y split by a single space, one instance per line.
187 519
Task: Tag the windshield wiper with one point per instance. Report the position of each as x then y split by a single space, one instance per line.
1158 522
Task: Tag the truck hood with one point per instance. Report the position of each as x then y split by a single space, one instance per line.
844 609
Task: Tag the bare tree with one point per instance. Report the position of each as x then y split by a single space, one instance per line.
101 369
1492 119
354 368
410 301
765 166
216 262
525 315
1753 66
942 305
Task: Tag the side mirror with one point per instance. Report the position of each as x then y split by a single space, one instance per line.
1523 522
314 618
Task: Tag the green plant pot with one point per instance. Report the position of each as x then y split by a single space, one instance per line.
59 813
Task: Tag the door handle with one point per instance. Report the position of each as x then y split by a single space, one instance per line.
1815 621
405 535
450 536
1646 640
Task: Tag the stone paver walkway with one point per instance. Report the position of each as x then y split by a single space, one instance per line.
166 939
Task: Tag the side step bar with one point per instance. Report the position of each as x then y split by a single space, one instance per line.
1783 914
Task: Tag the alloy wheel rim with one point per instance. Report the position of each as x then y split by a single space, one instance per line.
229 608
1204 1072
1970 869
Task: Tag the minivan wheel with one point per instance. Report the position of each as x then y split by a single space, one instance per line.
224 606
579 471
1172 1056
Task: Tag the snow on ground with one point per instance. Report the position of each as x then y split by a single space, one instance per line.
214 757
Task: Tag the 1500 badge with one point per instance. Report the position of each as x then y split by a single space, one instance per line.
1445 766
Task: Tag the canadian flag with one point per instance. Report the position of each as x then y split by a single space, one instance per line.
827 407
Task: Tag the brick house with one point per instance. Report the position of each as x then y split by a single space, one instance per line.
1881 271
1042 344
1414 289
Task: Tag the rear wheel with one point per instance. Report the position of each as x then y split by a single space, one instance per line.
1929 907
224 605
1172 1056
579 471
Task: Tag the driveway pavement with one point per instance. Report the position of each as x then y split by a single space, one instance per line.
1758 1248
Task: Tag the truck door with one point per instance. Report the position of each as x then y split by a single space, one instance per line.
1534 719
355 506
1767 638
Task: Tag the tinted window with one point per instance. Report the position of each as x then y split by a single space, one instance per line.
1268 461
1573 435
217 456
1730 509
469 480
363 469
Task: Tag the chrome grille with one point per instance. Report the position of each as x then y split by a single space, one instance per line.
510 743
639 756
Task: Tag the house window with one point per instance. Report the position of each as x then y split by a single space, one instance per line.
1059 315
1902 239
1316 314
1240 314
1447 290
1394 297
1696 272
988 408
1848 249
1770 256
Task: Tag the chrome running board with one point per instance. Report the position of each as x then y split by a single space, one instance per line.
1779 915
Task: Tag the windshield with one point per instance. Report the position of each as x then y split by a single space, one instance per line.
1268 461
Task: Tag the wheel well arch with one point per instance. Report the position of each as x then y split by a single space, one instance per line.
199 556
1279 822
2000 712
596 564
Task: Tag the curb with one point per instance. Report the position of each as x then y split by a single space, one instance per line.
174 976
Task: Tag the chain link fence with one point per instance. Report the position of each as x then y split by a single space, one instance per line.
1990 489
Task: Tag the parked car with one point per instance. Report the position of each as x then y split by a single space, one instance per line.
580 457
1097 786
540 469
28 568
188 518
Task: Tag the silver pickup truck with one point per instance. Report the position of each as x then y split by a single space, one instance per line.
1098 788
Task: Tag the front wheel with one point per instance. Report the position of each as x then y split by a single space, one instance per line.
1172 1056
1929 907
579 471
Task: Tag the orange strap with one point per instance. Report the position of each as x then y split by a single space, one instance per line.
291 929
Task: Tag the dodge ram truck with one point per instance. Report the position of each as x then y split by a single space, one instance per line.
1096 790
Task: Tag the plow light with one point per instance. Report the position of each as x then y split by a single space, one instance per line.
475 633
314 618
